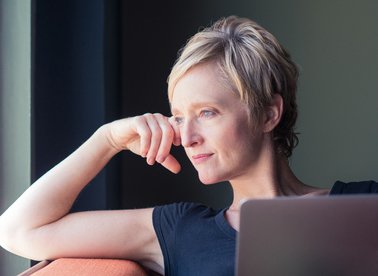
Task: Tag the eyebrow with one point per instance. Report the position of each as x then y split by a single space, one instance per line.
198 105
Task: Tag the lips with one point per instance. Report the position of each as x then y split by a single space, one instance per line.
199 158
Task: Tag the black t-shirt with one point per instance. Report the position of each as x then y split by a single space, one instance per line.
197 240
361 187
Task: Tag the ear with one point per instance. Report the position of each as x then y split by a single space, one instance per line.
273 113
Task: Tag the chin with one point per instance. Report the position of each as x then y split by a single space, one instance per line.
210 179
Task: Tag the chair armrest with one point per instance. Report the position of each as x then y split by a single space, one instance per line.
87 267
34 268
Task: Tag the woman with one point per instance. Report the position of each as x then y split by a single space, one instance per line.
232 95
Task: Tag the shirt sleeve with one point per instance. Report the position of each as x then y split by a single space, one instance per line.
360 187
165 219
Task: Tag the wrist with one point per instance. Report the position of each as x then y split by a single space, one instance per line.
105 133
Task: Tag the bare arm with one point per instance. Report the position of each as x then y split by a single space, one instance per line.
38 225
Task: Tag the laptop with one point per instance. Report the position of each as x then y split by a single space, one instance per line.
335 235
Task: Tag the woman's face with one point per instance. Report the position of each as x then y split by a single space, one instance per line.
213 125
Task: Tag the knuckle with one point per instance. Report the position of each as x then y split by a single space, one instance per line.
139 119
147 117
158 115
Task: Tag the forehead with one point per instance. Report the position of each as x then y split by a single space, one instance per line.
203 84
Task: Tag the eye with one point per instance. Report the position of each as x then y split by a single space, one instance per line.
207 113
179 120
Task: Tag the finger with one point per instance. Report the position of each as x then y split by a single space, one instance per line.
172 164
166 138
177 137
145 134
156 135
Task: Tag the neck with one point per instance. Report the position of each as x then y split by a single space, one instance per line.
270 177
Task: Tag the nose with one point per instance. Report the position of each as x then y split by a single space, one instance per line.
190 134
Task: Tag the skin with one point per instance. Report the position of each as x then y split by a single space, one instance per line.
209 121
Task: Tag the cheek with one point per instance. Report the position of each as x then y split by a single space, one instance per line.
242 143
232 143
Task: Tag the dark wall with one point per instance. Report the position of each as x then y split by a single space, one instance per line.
72 86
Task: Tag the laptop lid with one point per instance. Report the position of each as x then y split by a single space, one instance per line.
335 235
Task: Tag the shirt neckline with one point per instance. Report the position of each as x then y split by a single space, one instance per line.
222 223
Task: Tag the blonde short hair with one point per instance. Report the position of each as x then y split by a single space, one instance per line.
255 66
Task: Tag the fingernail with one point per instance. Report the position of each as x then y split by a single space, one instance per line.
150 161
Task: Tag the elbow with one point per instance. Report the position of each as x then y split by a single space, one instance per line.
5 235
13 239
8 235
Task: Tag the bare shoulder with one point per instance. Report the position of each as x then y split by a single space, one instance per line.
313 191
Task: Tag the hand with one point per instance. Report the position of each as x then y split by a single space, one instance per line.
150 136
